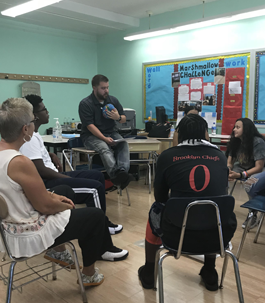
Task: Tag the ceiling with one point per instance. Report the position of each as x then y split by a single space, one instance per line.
98 17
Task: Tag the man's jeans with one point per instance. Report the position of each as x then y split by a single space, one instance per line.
114 158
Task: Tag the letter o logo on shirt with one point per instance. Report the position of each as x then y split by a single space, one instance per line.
192 180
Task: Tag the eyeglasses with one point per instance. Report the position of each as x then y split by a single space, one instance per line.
34 120
42 110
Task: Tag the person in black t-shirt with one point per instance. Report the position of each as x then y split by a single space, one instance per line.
194 168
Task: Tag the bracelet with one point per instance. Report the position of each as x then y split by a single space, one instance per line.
119 119
241 176
245 174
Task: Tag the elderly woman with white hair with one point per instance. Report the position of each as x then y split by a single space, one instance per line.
39 219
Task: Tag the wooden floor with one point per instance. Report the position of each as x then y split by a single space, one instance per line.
181 280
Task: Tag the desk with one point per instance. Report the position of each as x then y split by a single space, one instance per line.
48 142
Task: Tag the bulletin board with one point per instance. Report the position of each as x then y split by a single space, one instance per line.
259 103
217 84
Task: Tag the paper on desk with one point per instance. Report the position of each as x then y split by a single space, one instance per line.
118 140
69 136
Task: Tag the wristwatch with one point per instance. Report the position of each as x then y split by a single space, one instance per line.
119 119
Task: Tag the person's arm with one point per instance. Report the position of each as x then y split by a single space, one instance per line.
23 171
56 162
161 188
46 172
161 194
97 133
230 162
259 165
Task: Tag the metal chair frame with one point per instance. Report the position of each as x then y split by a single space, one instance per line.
224 253
38 271
246 230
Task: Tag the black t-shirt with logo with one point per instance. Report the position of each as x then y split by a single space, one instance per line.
188 171
193 171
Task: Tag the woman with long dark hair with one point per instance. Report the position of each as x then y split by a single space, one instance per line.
246 153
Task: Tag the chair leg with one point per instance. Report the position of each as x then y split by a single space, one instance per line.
223 271
160 276
233 187
78 273
54 275
156 265
250 215
259 227
10 281
237 276
128 197
149 178
4 257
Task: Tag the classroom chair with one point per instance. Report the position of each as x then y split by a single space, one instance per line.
204 213
36 272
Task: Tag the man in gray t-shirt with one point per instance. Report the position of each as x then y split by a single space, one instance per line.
99 133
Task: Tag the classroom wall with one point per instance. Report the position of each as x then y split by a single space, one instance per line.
122 60
29 49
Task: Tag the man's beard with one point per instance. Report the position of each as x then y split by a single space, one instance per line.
101 97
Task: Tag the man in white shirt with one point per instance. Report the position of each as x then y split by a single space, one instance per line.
50 168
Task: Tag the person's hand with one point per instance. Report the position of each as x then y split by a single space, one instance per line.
64 200
114 114
109 140
56 162
233 175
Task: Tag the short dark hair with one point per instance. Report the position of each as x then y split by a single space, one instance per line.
35 100
192 127
99 78
189 108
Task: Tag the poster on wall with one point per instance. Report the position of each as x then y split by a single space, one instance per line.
220 84
259 104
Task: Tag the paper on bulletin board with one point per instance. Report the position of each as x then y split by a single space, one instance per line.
209 117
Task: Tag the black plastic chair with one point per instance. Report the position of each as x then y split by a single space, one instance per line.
257 203
204 213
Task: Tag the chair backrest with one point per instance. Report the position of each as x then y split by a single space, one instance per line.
75 142
3 208
201 217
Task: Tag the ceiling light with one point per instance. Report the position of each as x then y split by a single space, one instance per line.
195 25
27 7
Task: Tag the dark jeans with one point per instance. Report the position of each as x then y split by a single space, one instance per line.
113 157
82 181
89 226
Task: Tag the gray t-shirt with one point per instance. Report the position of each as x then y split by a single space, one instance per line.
258 154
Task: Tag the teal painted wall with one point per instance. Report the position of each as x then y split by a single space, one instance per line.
121 61
26 49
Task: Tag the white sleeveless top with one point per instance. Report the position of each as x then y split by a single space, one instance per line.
27 231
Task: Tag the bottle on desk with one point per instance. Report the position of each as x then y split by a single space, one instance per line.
214 129
57 131
73 124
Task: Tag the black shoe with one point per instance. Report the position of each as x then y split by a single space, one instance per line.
120 176
114 254
127 181
147 282
114 228
210 278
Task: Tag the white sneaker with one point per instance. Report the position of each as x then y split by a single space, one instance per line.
116 254
115 228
